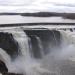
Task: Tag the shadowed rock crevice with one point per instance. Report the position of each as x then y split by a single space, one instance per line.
48 38
3 67
8 44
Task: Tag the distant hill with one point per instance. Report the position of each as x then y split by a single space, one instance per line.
44 14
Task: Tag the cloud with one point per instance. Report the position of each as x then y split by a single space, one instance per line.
37 5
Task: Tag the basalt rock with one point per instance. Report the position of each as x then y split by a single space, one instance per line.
3 67
7 73
8 44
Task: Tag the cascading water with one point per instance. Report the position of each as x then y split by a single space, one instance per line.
51 45
40 46
30 46
24 62
5 57
22 40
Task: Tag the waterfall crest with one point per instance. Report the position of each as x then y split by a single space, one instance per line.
39 51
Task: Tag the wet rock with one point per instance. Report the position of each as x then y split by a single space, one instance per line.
7 73
3 67
8 44
50 39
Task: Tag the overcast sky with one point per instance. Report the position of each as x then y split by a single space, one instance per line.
37 5
24 2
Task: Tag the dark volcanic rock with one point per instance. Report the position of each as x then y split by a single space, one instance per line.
7 73
3 67
49 40
8 44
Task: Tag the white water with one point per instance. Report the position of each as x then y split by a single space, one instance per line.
40 45
22 40
25 64
5 57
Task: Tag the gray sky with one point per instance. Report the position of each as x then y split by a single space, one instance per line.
37 5
26 2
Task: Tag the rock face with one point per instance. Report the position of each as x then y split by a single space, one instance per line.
8 44
10 74
3 67
49 39
4 70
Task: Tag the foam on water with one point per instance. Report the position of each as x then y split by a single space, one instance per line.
49 64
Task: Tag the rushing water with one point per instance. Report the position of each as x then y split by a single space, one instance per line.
38 52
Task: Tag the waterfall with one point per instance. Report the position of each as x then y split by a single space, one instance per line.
40 52
24 62
30 46
22 40
5 57
40 46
